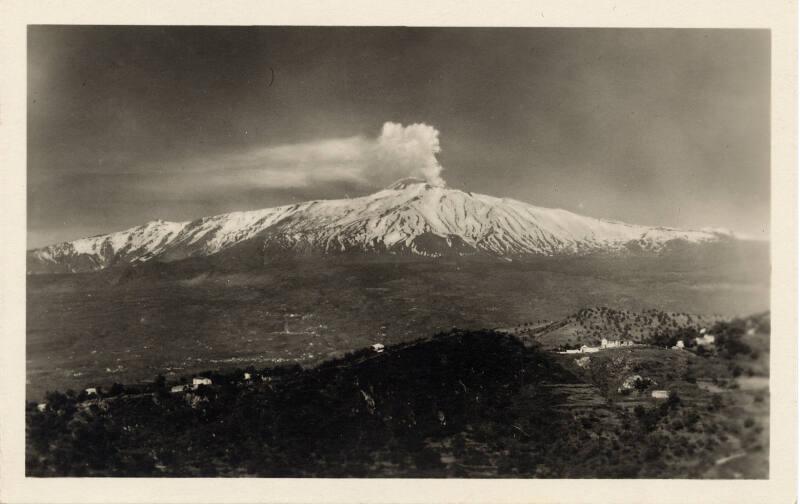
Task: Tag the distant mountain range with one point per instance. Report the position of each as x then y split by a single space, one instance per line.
410 217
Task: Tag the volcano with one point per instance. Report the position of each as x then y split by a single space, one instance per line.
410 218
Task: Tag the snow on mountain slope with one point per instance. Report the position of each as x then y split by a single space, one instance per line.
410 216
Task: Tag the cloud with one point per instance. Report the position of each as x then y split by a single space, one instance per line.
397 152
410 150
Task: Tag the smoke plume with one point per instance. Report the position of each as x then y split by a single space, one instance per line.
410 151
359 162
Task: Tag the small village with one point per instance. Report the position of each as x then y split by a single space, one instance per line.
705 340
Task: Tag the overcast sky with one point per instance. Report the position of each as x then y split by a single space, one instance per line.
658 127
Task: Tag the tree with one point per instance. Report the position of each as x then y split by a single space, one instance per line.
729 338
161 382
642 384
673 401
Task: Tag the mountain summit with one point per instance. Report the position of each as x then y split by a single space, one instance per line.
408 217
407 182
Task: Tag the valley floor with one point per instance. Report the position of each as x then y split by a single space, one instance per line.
98 329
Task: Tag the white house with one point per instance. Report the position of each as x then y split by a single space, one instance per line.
91 391
588 349
177 388
659 394
679 345
378 347
247 376
41 406
707 339
573 350
199 380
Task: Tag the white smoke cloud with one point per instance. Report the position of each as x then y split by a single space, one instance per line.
410 150
397 152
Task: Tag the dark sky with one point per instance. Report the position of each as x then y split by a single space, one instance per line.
130 124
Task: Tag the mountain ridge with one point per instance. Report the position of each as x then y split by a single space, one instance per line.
408 217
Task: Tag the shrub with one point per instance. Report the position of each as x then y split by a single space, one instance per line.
673 401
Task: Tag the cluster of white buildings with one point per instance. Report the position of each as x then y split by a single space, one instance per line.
196 382
604 345
704 339
201 380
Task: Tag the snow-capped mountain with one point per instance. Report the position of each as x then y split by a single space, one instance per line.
409 217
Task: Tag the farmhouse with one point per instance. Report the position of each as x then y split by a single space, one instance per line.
247 376
659 394
41 406
705 340
679 345
177 388
91 391
199 380
378 347
588 349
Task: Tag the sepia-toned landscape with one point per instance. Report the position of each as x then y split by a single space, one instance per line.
288 299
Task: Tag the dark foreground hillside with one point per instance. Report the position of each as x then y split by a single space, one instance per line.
461 404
